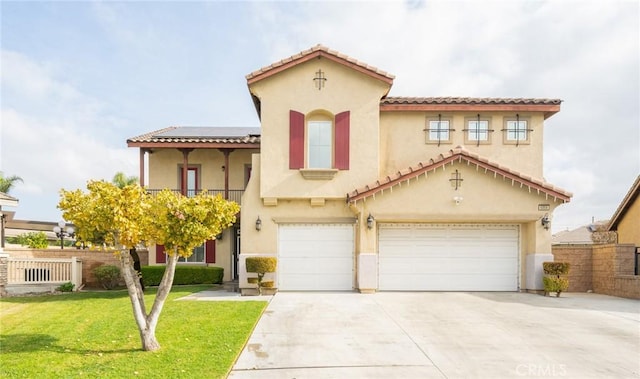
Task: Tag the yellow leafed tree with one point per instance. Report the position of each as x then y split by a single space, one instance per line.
122 218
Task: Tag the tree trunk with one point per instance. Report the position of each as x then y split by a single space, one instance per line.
147 322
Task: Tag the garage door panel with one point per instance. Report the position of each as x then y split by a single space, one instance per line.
315 257
448 257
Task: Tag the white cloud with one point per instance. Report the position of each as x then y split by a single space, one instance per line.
51 136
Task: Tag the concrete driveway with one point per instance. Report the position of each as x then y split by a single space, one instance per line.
443 335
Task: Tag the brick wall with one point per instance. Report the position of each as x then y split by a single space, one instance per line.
580 272
90 259
606 269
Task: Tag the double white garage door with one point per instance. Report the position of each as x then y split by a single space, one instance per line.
412 257
466 257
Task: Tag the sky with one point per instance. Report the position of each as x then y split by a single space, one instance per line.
78 78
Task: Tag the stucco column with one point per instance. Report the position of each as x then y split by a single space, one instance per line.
541 252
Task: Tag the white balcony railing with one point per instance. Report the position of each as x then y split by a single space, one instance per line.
44 271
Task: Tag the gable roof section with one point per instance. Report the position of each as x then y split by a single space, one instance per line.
199 137
626 203
474 104
316 52
458 154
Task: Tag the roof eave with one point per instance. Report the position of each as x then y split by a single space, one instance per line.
548 109
629 198
196 145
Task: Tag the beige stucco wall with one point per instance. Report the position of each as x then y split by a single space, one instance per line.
403 141
294 89
163 168
629 226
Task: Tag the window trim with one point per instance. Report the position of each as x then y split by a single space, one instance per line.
467 130
527 130
428 130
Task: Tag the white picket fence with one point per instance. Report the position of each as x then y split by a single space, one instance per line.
44 271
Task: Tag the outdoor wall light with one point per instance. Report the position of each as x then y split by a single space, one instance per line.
370 221
61 232
258 224
546 223
458 199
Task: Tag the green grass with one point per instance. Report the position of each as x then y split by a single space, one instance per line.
93 335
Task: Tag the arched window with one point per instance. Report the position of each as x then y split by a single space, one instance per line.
319 140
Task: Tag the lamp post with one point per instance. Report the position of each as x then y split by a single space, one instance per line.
61 232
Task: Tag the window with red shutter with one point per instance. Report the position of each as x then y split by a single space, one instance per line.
161 257
210 251
296 140
341 143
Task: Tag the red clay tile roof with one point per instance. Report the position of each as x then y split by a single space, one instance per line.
472 104
467 100
183 137
629 199
318 51
457 154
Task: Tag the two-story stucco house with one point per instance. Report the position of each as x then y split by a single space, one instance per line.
352 189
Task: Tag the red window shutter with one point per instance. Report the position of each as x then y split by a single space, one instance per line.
296 140
161 257
341 142
210 251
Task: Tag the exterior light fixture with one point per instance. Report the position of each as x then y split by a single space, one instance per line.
61 232
370 221
219 236
458 199
258 224
545 221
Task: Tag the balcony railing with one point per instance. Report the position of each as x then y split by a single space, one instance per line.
234 195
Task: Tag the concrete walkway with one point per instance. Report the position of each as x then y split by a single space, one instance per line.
443 335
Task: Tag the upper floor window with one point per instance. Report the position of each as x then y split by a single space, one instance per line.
319 140
438 130
319 144
478 130
516 130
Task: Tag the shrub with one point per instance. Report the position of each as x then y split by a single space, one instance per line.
34 240
555 284
553 280
152 275
555 268
108 276
261 265
66 287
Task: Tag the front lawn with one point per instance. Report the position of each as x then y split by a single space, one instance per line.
93 335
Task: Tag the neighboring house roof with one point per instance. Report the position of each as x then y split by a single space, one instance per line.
316 52
192 136
458 154
479 104
6 200
577 236
629 199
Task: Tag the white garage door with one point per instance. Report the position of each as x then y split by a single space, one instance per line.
430 257
315 257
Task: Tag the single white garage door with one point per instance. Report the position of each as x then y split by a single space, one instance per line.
437 257
315 257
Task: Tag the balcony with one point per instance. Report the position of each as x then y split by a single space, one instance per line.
234 195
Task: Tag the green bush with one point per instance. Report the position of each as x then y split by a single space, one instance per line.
66 287
108 276
553 280
261 264
555 268
34 240
555 284
152 275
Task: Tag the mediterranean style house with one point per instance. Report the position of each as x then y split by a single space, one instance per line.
353 189
626 220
